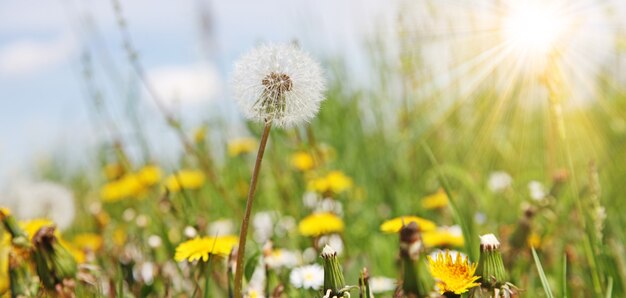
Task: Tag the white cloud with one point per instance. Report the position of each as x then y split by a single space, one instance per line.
180 84
29 56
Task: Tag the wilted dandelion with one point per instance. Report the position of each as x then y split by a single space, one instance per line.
278 83
453 275
200 248
318 224
394 225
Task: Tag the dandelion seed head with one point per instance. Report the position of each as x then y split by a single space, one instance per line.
278 83
489 242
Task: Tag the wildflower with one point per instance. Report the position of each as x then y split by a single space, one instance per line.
119 237
127 186
5 248
444 237
533 240
281 258
490 266
318 224
241 146
334 282
380 284
30 227
334 182
453 276
149 175
154 241
199 135
185 179
88 241
307 277
201 247
499 181
278 83
30 200
263 223
394 225
435 201
537 191
302 161
190 232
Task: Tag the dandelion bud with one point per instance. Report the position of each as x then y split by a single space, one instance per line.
54 263
410 249
490 266
278 83
364 284
334 282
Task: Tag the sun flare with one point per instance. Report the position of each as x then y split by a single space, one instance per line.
534 28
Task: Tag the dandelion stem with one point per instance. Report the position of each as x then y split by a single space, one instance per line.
246 218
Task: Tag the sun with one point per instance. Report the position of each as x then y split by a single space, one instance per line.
534 28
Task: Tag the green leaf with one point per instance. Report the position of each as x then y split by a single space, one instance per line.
251 265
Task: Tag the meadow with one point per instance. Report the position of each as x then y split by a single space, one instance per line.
362 192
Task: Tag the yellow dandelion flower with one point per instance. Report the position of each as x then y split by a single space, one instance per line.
185 179
241 146
394 225
338 181
200 248
318 224
88 241
533 240
149 175
435 201
5 248
456 276
119 237
302 161
335 182
127 186
444 237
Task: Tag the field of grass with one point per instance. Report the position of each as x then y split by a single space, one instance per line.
514 156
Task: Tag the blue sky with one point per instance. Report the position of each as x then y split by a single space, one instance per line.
43 110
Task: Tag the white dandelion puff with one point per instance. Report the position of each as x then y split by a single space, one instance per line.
30 200
278 83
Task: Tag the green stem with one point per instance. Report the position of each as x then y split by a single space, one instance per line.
246 219
207 278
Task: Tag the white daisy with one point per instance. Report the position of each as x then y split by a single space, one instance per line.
537 191
307 277
282 258
278 83
499 181
380 284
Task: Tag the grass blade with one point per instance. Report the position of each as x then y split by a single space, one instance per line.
542 275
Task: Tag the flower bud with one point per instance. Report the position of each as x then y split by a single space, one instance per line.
334 282
490 266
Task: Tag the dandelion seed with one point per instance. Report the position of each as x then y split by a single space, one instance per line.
499 181
278 83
